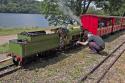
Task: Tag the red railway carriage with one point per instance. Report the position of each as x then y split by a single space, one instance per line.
101 25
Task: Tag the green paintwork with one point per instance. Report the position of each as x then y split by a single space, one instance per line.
39 43
72 32
24 50
16 48
36 47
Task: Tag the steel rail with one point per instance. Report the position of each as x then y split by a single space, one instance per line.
99 80
97 66
8 70
7 59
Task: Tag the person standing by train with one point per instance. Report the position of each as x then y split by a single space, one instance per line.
95 43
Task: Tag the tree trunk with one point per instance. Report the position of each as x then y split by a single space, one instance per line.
124 14
85 8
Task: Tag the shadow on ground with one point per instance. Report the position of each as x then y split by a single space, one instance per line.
53 58
103 53
113 36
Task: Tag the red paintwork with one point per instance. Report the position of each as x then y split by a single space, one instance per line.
90 22
19 59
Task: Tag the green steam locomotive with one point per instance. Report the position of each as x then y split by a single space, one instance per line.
32 44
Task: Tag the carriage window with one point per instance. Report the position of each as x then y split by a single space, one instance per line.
109 22
104 22
117 21
101 24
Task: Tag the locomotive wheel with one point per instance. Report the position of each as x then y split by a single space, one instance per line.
15 61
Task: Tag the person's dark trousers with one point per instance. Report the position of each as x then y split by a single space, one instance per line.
94 47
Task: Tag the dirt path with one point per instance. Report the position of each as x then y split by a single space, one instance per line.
5 39
3 56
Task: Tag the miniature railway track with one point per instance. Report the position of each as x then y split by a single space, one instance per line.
8 70
5 60
100 70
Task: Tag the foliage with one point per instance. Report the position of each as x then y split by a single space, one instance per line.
11 31
66 10
109 7
19 6
51 8
77 6
92 10
112 7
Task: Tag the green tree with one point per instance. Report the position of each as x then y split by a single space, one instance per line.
19 6
73 8
64 8
49 7
112 7
77 6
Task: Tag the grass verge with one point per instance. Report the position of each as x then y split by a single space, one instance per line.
4 48
11 31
